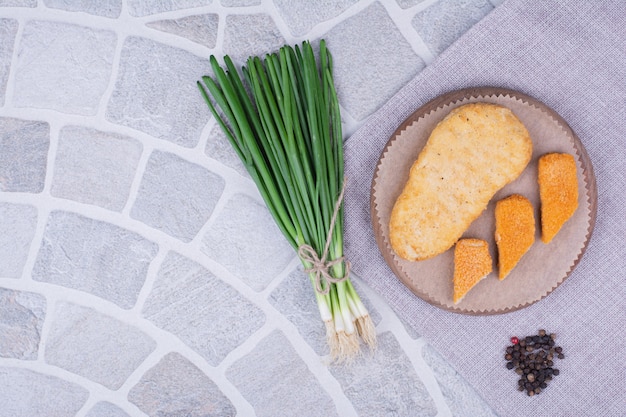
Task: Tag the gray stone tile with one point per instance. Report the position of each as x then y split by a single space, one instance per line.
295 299
8 29
245 239
106 409
21 317
266 377
239 3
250 35
403 394
365 81
156 92
63 67
23 154
176 196
95 167
88 343
459 395
176 387
17 228
18 3
149 7
302 15
201 29
106 8
219 148
208 315
95 257
405 4
442 23
24 393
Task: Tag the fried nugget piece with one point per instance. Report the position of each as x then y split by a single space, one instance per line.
472 263
558 192
471 154
515 231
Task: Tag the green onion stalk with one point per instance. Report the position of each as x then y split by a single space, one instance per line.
282 117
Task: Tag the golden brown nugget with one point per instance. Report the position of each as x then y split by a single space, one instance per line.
472 263
515 231
472 153
558 192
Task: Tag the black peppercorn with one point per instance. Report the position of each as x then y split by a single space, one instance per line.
532 358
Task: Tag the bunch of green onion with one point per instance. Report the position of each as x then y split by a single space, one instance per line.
283 121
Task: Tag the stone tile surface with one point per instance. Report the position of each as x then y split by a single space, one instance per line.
8 30
245 239
208 315
155 98
302 15
88 343
250 34
176 387
442 23
176 196
240 3
93 256
219 148
106 8
18 3
95 167
25 393
201 29
388 64
17 228
23 154
150 7
55 73
404 394
459 395
106 409
21 318
271 371
405 4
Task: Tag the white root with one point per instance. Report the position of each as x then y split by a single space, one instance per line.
332 339
349 347
367 331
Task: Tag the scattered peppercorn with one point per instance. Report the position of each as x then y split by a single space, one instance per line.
532 358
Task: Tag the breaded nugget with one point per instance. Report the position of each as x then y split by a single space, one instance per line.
515 231
558 192
472 263
473 152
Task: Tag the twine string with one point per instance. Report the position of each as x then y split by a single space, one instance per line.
319 265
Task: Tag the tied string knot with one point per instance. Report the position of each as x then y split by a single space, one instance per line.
320 266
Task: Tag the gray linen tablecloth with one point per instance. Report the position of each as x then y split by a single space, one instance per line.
571 55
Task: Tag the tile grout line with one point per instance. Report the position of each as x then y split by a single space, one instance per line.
403 23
